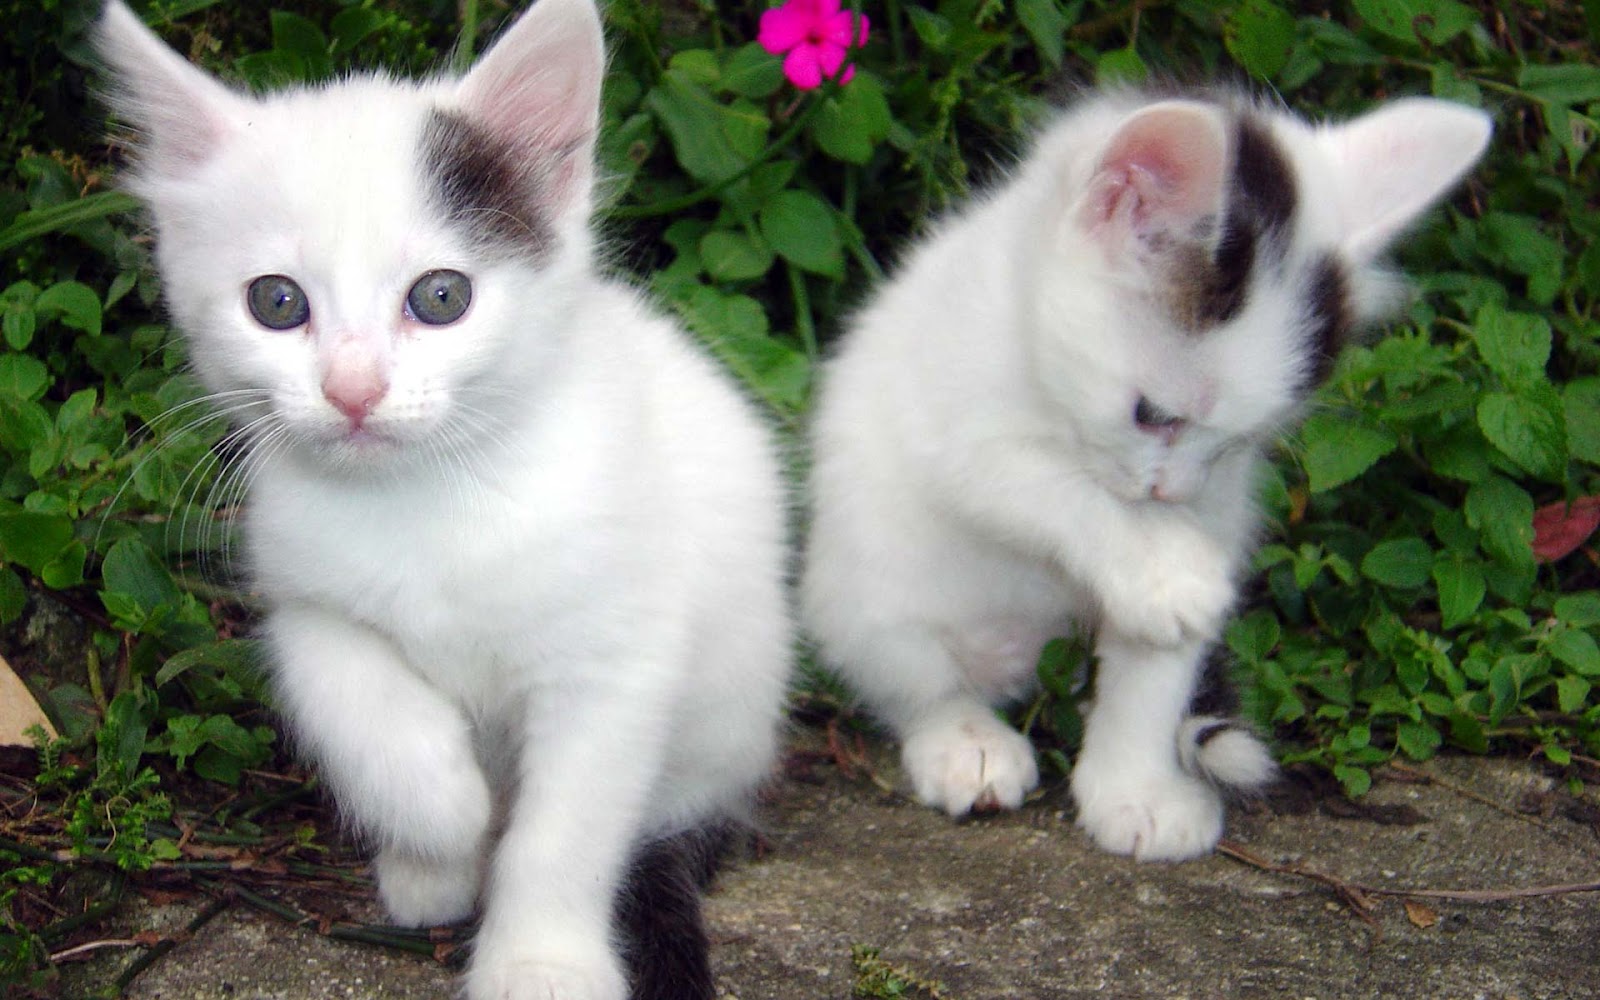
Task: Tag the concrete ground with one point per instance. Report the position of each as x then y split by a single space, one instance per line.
1021 906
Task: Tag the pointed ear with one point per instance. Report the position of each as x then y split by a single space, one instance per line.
1163 171
181 112
1391 164
537 91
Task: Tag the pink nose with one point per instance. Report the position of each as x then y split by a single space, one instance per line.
354 380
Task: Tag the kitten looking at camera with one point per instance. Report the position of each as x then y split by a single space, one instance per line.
521 542
1052 419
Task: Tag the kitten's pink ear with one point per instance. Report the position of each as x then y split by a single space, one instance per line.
1162 171
1391 164
537 89
181 112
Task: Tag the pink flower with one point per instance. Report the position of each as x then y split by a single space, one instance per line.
817 35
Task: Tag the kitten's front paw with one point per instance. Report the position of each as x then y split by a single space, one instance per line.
1155 818
964 758
420 892
545 977
1177 591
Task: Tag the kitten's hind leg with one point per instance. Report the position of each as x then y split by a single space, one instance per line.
396 754
962 758
957 753
1133 796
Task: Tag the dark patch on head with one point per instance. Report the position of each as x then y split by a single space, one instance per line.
1209 288
487 187
1328 317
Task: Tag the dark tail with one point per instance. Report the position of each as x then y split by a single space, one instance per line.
659 918
1214 744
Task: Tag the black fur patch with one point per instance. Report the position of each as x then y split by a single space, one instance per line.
487 187
1261 205
1328 311
1215 694
658 914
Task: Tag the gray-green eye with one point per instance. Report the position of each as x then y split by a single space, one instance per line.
439 297
278 303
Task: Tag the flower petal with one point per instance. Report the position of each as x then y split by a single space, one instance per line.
782 28
831 58
803 67
837 29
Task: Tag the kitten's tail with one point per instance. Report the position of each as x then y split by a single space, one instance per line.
1216 746
659 917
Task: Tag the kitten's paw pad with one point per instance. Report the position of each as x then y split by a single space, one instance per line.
1169 819
421 892
538 978
1180 592
970 761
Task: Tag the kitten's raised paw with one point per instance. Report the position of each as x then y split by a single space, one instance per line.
1179 592
541 978
420 892
963 759
1169 818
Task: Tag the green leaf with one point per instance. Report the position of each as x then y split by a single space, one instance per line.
13 596
734 256
76 304
1046 25
351 26
132 569
1581 400
1435 21
1529 427
1468 733
1338 450
1356 780
126 726
1260 35
1502 513
32 539
300 37
735 328
1418 740
1567 83
1577 649
91 208
1515 346
712 141
752 72
1461 589
22 377
849 127
1519 243
698 65
1120 66
1579 610
1572 694
801 228
1403 563
232 656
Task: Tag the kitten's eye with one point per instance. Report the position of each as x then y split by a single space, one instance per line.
1151 417
277 302
439 297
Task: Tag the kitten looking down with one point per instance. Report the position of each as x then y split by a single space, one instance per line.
522 544
1052 419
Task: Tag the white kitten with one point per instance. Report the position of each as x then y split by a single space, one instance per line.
520 540
1053 416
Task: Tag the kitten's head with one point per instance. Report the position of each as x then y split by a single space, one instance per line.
372 270
1206 258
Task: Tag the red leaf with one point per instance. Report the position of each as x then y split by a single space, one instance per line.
1560 528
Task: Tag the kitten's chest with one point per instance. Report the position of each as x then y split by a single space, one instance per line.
456 580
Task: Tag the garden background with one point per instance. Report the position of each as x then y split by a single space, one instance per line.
1428 581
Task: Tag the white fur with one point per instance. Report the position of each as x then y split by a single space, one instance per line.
548 567
979 484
